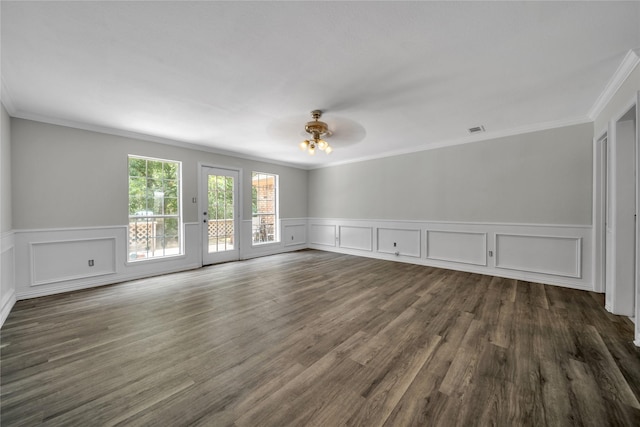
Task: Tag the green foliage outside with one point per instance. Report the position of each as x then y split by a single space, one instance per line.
220 197
154 190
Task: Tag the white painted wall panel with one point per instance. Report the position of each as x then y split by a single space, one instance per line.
294 234
471 247
7 275
456 246
323 234
405 242
67 260
51 280
560 256
290 227
360 238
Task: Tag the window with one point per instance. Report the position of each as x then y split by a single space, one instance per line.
155 217
264 204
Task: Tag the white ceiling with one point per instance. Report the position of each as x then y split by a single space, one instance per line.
242 77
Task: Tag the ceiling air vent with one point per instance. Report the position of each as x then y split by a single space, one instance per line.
476 129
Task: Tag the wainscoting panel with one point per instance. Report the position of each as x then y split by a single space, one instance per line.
60 261
457 246
294 234
552 254
50 261
399 242
359 238
293 237
560 256
323 234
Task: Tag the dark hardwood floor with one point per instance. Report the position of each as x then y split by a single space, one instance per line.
317 338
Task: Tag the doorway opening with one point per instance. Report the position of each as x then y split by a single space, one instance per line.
220 214
620 215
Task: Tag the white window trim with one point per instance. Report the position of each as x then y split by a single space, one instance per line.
276 212
179 216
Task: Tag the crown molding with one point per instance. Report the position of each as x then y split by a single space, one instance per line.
467 139
145 137
628 64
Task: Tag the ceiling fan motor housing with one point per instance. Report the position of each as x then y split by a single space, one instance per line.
316 127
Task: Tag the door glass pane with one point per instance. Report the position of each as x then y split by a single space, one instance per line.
220 227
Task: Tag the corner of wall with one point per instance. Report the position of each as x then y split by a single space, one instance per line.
7 264
7 275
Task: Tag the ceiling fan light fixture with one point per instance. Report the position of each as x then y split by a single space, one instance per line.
317 130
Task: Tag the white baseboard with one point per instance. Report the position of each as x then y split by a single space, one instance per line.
86 284
7 304
273 250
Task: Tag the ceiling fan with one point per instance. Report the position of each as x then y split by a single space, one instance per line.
343 132
317 130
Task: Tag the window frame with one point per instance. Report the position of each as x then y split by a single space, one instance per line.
275 213
178 216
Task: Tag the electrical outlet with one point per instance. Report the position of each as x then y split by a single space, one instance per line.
395 244
90 263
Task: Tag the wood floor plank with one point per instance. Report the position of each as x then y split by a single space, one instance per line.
321 339
463 365
384 397
271 407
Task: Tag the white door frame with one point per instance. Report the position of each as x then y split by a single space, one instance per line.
621 251
599 211
202 207
637 281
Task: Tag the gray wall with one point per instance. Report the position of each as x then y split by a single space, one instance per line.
65 177
541 177
5 172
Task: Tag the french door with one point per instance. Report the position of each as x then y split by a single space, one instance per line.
220 214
